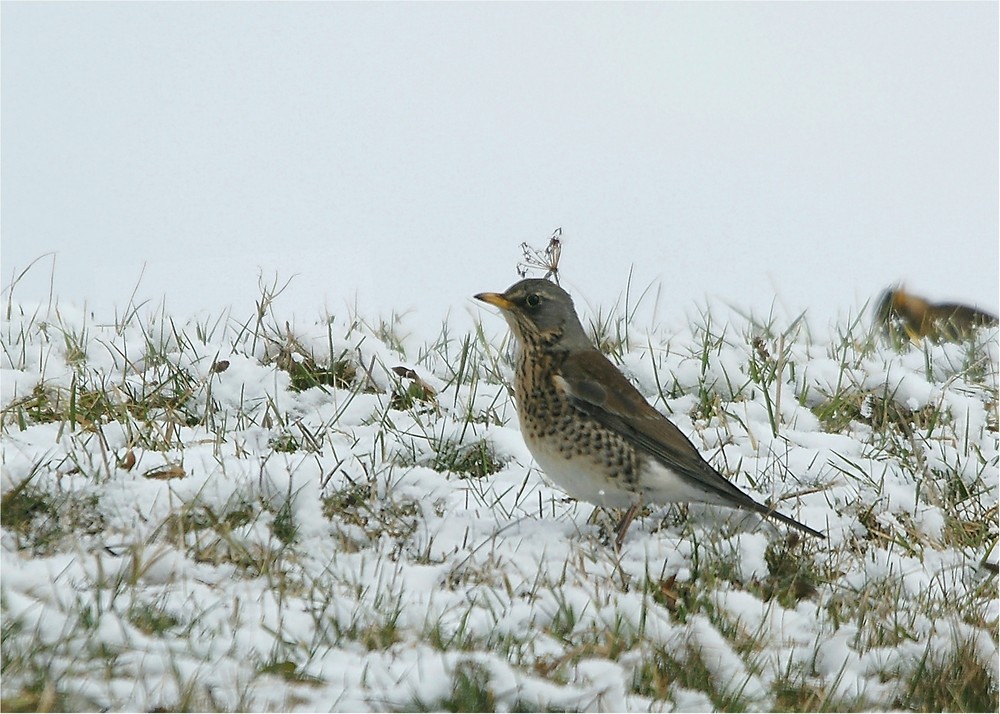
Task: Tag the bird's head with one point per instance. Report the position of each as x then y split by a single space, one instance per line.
539 311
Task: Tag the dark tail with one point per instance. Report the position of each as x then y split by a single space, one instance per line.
771 513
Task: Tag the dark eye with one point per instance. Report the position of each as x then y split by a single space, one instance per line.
533 300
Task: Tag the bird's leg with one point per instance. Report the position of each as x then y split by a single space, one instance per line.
625 522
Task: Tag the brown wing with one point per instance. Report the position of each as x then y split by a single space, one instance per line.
596 387
954 321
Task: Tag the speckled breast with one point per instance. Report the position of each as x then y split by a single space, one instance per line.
577 453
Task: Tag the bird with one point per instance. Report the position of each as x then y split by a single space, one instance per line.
917 317
590 430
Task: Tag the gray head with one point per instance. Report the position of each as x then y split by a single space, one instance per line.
540 311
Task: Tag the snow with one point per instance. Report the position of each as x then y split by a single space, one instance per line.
416 575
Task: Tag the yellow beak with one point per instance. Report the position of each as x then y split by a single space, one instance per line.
495 299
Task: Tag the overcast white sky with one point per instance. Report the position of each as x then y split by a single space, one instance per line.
398 153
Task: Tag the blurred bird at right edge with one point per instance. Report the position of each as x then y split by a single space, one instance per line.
901 312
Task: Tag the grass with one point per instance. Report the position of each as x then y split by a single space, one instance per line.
664 670
248 514
958 682
470 692
42 521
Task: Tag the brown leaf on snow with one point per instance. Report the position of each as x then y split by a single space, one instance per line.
163 473
128 461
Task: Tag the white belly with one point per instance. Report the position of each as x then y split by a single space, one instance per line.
661 485
580 478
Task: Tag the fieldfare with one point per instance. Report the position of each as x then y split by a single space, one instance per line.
590 430
916 317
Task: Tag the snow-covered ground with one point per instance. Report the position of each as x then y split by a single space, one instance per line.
191 521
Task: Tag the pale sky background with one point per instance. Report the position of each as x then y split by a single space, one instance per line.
398 154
